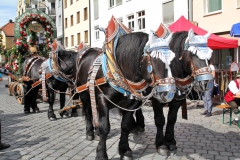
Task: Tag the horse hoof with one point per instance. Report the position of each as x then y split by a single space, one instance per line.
26 112
172 150
52 118
162 150
127 156
36 110
89 138
134 131
96 137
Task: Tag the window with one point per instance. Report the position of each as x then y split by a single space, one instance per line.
86 36
111 3
238 3
72 40
59 20
78 17
78 38
85 14
120 19
96 9
141 20
65 4
59 3
66 25
71 20
71 2
66 41
168 12
96 32
130 22
118 2
213 6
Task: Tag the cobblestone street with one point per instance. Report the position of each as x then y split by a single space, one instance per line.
34 137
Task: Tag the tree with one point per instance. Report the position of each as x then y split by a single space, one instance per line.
1 44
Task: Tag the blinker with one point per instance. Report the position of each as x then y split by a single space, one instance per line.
149 69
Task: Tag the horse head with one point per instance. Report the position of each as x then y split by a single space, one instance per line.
155 67
192 57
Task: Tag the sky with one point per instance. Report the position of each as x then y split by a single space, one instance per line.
7 11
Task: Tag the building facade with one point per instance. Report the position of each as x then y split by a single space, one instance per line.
76 23
7 32
218 16
138 15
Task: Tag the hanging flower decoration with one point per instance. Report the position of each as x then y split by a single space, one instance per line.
28 37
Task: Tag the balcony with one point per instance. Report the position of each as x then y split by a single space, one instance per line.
28 7
52 13
42 5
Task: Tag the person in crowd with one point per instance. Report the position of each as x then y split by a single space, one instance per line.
207 96
2 145
233 90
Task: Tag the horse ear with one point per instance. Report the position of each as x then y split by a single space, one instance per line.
169 38
190 34
207 35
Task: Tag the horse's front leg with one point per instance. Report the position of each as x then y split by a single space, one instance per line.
140 120
63 89
170 141
104 128
126 125
27 98
51 98
159 122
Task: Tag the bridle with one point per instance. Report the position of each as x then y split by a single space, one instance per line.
160 85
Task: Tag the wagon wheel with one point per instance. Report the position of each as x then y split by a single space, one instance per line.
11 88
20 92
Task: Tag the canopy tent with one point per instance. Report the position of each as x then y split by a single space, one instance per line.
235 30
214 41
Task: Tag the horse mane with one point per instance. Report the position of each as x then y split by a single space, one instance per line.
129 51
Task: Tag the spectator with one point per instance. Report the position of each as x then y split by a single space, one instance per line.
233 90
2 145
207 96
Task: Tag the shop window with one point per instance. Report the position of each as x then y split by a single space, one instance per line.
168 12
86 36
141 20
130 22
212 6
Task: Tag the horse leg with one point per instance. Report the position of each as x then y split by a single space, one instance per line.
170 141
104 128
126 125
140 120
159 122
51 98
34 100
27 98
63 89
86 106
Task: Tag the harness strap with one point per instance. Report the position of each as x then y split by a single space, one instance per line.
84 87
44 95
39 81
96 65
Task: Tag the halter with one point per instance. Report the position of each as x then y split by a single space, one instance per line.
164 89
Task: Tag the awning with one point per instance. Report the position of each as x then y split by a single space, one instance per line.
214 41
235 31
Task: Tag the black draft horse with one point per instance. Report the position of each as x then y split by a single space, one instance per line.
58 71
189 68
129 58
